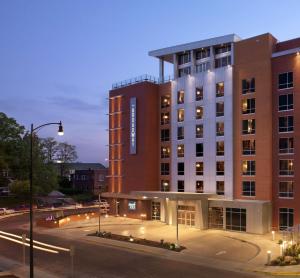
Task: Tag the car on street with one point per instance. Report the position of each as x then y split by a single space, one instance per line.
4 211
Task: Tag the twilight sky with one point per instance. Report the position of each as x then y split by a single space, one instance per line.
58 58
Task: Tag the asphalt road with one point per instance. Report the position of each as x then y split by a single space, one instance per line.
102 261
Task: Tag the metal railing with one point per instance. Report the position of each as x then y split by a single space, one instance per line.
141 78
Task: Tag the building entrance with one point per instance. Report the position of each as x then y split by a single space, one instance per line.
215 218
155 210
186 215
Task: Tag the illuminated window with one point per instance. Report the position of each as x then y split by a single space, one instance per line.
220 89
248 86
286 189
286 124
248 106
220 148
199 168
180 150
180 186
180 168
180 133
199 187
199 131
220 129
286 102
180 115
286 218
164 118
248 147
248 126
219 109
248 167
165 152
286 167
199 149
248 188
286 145
165 101
285 80
180 97
199 94
220 187
220 168
165 185
199 112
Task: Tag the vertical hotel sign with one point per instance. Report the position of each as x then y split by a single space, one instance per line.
133 125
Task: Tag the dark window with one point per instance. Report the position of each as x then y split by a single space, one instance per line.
223 62
220 148
180 133
180 168
180 115
199 149
248 106
220 187
286 218
248 86
220 168
180 97
184 58
202 53
285 80
248 126
248 147
164 118
286 145
164 169
286 124
286 167
184 71
199 131
248 167
219 109
165 135
236 219
286 102
199 113
165 185
199 168
165 101
222 48
199 94
164 152
203 67
248 188
286 189
220 129
199 187
180 186
180 150
220 89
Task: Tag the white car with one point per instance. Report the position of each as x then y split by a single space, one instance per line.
4 211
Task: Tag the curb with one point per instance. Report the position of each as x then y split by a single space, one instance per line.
276 273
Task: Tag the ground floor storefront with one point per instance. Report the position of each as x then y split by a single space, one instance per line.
201 211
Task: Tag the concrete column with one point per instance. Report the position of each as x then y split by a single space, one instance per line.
203 214
175 63
161 70
212 58
232 53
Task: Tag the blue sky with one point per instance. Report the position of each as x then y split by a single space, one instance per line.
58 58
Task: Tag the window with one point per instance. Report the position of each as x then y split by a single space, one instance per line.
220 168
203 67
199 187
286 145
180 115
286 124
164 169
223 62
199 94
202 53
248 167
180 97
219 109
180 168
164 152
199 112
165 185
220 187
285 80
165 135
184 71
180 150
286 102
180 186
248 147
286 218
236 219
165 101
220 129
220 89
286 189
184 58
248 86
199 131
199 149
220 148
248 188
199 168
286 167
180 133
248 126
164 118
222 48
248 106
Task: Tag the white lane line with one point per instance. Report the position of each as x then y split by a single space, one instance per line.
37 242
26 244
221 253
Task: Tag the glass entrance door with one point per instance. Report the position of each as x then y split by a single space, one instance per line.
186 215
156 210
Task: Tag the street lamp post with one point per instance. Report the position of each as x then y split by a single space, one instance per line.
99 213
32 130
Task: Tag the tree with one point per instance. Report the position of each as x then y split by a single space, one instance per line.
65 153
49 147
20 188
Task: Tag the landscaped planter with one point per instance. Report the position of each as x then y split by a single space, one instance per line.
162 244
291 256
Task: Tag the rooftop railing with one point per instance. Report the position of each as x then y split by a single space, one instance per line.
139 79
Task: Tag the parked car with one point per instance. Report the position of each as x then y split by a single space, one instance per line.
4 211
103 203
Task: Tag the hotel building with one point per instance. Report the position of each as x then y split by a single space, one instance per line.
216 145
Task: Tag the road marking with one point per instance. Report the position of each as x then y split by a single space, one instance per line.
37 242
221 253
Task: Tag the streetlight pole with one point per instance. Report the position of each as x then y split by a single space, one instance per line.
32 130
99 213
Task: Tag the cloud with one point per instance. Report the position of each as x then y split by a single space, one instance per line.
74 103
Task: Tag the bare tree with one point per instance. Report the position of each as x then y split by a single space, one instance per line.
49 147
65 153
